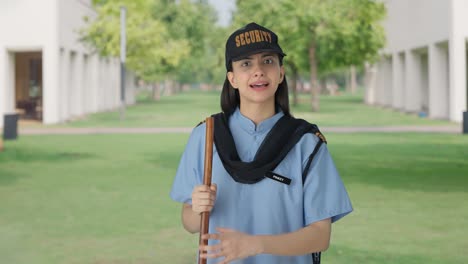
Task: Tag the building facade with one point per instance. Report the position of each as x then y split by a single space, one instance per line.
46 73
423 68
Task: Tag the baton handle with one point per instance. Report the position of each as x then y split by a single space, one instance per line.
205 216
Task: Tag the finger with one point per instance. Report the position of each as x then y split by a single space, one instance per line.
211 236
211 255
203 201
210 248
204 195
214 187
225 230
202 188
205 208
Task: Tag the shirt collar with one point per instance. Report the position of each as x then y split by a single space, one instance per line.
249 126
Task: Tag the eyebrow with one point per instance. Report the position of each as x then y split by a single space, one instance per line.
250 57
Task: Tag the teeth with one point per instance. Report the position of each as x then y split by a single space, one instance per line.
258 85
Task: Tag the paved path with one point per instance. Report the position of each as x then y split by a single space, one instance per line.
121 130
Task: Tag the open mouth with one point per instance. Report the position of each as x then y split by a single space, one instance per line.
259 85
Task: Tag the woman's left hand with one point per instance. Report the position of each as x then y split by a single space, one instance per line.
233 245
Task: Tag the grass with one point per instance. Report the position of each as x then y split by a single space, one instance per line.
103 199
188 108
89 199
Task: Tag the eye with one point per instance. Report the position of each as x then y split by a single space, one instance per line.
245 63
268 61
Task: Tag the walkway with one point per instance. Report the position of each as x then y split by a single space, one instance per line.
125 130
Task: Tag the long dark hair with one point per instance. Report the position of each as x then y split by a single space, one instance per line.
230 98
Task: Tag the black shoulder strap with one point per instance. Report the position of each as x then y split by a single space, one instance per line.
322 140
309 161
316 256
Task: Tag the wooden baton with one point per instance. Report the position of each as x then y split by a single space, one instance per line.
205 216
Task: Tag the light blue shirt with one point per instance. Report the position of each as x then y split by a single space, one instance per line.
267 207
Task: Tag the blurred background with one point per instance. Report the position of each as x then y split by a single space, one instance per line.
97 100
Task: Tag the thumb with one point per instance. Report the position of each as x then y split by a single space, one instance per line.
214 187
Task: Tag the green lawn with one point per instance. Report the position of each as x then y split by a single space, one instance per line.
104 199
188 108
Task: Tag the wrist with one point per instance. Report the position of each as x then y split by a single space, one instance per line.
258 244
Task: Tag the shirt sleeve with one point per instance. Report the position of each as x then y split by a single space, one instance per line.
325 195
190 170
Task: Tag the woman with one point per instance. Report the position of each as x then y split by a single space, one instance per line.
275 188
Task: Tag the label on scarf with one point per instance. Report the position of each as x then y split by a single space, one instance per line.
277 177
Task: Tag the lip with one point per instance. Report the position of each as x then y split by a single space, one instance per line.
259 85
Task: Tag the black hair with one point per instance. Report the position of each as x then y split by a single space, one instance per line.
230 98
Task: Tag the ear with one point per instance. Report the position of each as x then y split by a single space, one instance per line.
281 74
232 80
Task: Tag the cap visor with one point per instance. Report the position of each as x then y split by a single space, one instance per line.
245 55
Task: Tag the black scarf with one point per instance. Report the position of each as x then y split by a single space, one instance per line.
276 145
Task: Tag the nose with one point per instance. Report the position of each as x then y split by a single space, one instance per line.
258 70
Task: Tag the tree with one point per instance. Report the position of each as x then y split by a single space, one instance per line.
166 39
321 35
150 49
340 33
194 22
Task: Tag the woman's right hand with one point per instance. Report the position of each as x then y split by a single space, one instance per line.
203 198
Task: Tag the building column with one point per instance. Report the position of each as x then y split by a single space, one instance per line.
94 82
78 84
387 88
102 85
412 93
398 80
72 85
51 84
370 83
64 85
7 84
3 83
457 61
86 105
380 82
438 82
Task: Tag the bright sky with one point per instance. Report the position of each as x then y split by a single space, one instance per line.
224 7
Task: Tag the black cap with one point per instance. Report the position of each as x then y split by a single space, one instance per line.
251 39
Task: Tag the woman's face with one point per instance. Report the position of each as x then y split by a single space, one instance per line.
257 77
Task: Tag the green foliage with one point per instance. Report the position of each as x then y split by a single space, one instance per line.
149 46
353 36
345 32
165 38
195 23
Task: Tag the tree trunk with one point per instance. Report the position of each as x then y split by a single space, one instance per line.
156 91
314 88
294 85
353 80
168 87
348 81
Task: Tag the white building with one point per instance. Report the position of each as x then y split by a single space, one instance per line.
46 74
424 65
